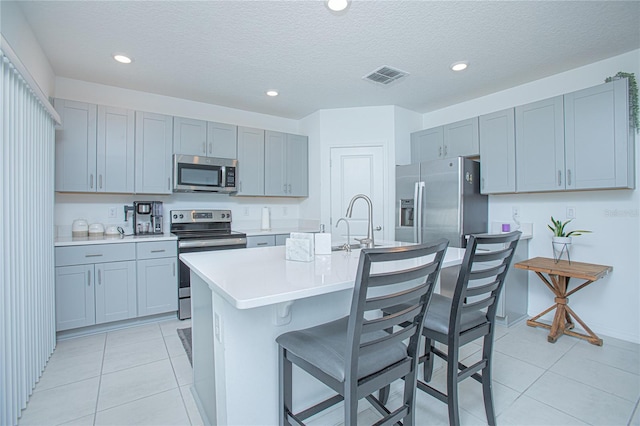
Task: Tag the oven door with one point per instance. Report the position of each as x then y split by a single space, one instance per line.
184 279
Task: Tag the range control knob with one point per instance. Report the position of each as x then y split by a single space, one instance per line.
175 216
181 216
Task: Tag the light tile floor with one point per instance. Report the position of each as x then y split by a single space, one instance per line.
142 376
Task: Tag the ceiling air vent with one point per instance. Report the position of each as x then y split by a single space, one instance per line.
385 75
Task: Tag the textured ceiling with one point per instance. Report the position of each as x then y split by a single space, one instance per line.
230 52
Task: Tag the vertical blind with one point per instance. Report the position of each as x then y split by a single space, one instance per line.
27 294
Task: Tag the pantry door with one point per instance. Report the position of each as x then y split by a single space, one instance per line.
357 170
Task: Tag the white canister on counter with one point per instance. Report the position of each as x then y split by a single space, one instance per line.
322 242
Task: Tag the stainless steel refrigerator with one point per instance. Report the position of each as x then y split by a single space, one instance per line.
440 199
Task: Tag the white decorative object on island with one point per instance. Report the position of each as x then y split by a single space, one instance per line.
242 300
299 249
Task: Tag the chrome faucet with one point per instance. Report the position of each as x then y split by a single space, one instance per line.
347 245
368 242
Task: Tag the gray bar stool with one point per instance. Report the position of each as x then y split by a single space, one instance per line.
469 315
361 353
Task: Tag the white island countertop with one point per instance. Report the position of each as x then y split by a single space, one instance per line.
256 277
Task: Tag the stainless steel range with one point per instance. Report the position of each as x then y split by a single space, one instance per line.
201 230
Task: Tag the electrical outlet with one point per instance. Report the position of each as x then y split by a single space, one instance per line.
515 211
113 212
571 212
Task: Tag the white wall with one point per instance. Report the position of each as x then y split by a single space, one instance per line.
246 211
18 34
347 127
610 306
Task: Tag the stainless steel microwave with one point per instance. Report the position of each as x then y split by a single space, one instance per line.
193 173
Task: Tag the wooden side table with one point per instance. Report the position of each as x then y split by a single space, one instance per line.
558 282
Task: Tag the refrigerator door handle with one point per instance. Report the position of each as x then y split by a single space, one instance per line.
418 211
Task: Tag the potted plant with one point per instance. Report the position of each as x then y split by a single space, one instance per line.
562 237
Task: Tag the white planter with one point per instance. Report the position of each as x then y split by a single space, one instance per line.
561 246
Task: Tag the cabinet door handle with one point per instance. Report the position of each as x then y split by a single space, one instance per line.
204 147
445 150
440 152
289 188
99 277
262 244
240 186
91 181
559 178
482 183
89 279
93 255
174 268
169 184
568 177
157 251
211 148
100 181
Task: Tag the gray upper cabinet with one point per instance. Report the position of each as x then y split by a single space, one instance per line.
497 152
94 148
426 145
286 165
76 147
154 134
189 136
598 139
198 137
449 141
250 161
461 139
222 140
540 146
115 150
297 154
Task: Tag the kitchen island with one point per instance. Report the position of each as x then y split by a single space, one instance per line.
241 301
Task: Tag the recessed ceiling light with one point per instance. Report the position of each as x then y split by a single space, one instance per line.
272 93
122 59
337 5
459 66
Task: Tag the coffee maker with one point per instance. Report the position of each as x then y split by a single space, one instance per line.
147 217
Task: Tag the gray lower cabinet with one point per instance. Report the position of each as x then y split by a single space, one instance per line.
101 283
281 239
261 241
94 285
95 294
267 240
514 298
157 277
